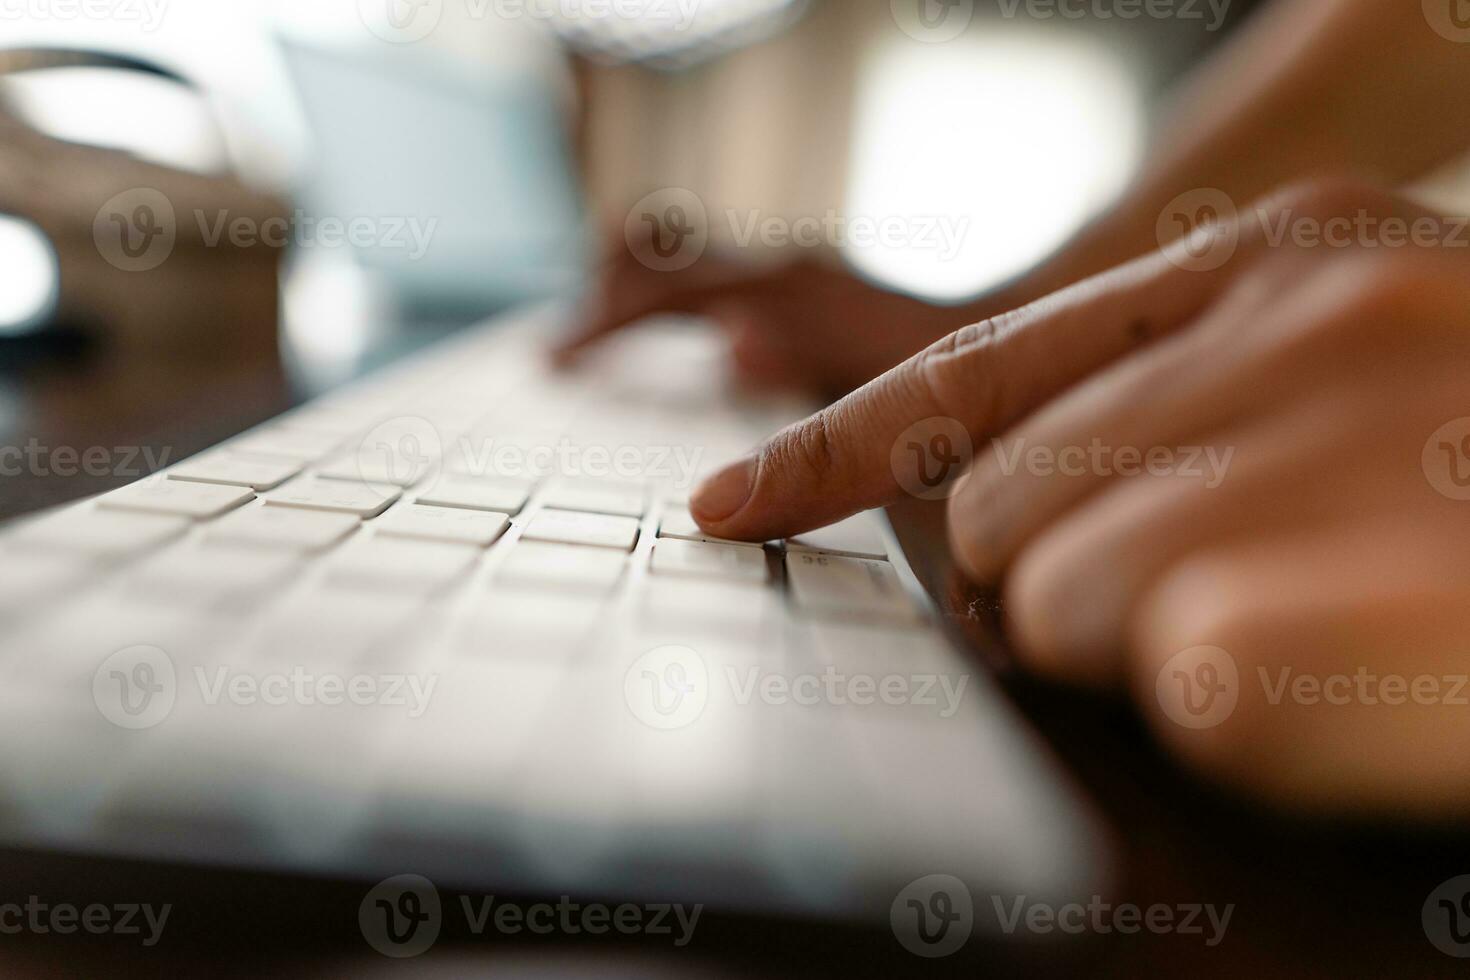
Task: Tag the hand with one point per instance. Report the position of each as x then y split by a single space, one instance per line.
801 325
1324 551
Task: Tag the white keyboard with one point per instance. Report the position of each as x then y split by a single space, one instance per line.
456 620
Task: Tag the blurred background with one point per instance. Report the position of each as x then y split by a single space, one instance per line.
484 148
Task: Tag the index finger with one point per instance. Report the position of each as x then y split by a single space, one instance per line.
986 377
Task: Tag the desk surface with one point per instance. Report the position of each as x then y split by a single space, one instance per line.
1310 899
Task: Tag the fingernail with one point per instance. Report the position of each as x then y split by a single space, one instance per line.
718 498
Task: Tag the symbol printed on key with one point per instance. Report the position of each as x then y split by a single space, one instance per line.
135 687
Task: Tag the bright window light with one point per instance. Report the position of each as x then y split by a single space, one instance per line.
29 286
1012 141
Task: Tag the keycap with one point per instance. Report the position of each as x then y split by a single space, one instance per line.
100 533
401 564
370 467
504 495
855 587
672 556
230 469
296 444
285 528
857 537
159 496
479 528
597 498
570 527
563 568
361 499
678 523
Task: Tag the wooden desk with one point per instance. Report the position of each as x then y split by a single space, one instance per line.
1310 900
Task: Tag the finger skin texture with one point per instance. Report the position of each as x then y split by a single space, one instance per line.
1302 618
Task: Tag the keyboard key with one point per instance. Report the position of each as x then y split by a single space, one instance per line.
854 587
678 523
258 474
100 533
570 527
562 568
361 499
286 528
597 498
479 528
370 467
295 444
402 564
672 556
856 537
504 495
159 496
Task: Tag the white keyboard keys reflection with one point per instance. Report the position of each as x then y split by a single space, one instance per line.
233 469
505 495
593 530
855 587
597 498
678 523
478 528
156 495
672 556
359 499
856 537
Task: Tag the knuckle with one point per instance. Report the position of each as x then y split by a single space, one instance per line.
1326 196
807 448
